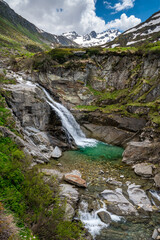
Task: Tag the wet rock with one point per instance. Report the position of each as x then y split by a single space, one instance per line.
57 153
144 169
117 203
75 179
155 196
139 197
105 217
112 181
141 151
157 180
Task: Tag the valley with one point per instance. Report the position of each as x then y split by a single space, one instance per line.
79 136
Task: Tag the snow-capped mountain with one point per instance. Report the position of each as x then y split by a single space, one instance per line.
93 39
146 31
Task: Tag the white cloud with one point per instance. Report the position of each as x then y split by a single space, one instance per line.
124 4
124 22
78 15
58 16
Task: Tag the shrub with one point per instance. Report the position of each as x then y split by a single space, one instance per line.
33 48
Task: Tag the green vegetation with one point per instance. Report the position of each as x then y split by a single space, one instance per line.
24 193
14 38
144 48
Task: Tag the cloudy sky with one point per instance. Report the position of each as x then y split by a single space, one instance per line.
83 16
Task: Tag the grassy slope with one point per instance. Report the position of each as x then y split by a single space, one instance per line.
15 39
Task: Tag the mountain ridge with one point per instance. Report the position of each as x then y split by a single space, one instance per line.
147 31
93 38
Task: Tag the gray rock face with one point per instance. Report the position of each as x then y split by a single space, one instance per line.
141 151
139 197
69 192
117 203
41 127
108 134
144 169
71 195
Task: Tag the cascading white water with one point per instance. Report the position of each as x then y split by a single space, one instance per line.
69 122
91 220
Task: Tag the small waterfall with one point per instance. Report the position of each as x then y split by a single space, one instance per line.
91 220
69 123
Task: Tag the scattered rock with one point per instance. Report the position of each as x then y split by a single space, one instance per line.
139 197
101 172
59 165
155 234
117 203
105 217
75 179
157 180
113 182
57 153
144 169
121 176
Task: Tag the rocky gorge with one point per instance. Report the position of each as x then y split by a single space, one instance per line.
114 96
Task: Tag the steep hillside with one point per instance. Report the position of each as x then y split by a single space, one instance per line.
93 38
15 31
148 31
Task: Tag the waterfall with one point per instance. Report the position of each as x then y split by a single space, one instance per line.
69 123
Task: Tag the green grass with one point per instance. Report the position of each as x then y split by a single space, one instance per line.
144 48
13 39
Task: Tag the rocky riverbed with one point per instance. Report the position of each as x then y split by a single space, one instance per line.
115 197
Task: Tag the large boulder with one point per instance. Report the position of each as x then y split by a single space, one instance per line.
71 196
104 216
117 203
141 151
139 197
144 169
75 179
57 153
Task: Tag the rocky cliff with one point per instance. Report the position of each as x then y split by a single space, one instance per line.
118 91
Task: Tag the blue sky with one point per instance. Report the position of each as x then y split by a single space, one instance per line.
84 16
142 9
